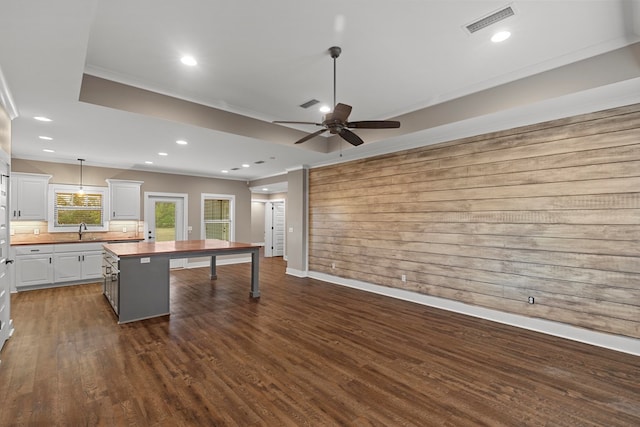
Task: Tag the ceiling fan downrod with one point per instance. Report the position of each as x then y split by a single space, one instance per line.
335 52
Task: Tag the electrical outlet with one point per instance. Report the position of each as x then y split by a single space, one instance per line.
333 265
124 229
530 300
403 277
36 231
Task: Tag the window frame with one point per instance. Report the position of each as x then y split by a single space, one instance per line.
64 188
232 212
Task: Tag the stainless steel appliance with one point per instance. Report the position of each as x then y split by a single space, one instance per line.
111 279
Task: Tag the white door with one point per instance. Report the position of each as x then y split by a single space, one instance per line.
274 229
165 219
5 297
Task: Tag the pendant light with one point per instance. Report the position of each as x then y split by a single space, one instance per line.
81 190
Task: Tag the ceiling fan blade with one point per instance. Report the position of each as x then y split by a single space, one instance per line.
351 137
341 112
311 135
374 124
296 123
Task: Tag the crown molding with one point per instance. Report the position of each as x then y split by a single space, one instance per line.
6 99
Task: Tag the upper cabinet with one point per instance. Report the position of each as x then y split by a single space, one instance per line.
29 196
125 199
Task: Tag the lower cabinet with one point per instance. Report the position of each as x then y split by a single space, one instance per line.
34 265
40 265
72 266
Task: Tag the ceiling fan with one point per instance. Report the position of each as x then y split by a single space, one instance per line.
336 121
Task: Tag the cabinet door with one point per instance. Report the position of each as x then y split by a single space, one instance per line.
29 197
33 270
68 266
125 201
92 265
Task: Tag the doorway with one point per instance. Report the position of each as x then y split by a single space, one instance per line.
165 217
274 244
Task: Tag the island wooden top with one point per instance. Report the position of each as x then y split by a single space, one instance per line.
175 247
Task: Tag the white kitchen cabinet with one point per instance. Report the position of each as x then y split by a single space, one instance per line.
41 265
124 197
34 265
77 261
29 196
67 266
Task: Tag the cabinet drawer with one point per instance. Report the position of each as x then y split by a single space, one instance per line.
78 247
33 249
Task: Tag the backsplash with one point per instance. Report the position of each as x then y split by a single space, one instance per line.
37 231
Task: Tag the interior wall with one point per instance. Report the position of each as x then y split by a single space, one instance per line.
549 211
63 173
296 221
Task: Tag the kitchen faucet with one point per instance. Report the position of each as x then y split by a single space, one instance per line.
82 224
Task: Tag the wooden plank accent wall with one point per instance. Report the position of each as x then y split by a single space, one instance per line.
550 210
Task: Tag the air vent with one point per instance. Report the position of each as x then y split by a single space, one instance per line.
309 103
490 20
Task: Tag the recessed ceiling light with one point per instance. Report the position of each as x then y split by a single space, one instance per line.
163 154
189 60
225 171
148 162
181 142
246 165
325 109
46 138
265 189
42 119
46 150
500 36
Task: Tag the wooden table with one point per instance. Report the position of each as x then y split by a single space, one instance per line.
142 289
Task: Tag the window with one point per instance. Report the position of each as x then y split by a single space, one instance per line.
217 216
68 209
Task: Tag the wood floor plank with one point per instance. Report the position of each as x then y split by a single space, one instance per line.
307 353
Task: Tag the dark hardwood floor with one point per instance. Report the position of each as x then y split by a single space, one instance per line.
308 353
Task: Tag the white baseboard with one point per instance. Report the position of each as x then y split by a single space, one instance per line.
600 339
297 273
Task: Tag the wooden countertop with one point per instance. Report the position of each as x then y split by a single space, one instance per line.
46 241
175 247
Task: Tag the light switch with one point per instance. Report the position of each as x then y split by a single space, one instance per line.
290 229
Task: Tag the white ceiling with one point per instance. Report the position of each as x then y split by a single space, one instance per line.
262 59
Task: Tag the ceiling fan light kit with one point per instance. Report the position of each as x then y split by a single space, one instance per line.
336 121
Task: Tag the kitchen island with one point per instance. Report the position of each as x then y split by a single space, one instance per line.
136 275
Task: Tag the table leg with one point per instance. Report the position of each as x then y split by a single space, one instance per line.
255 273
214 274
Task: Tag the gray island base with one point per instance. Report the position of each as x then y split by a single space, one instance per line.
139 286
